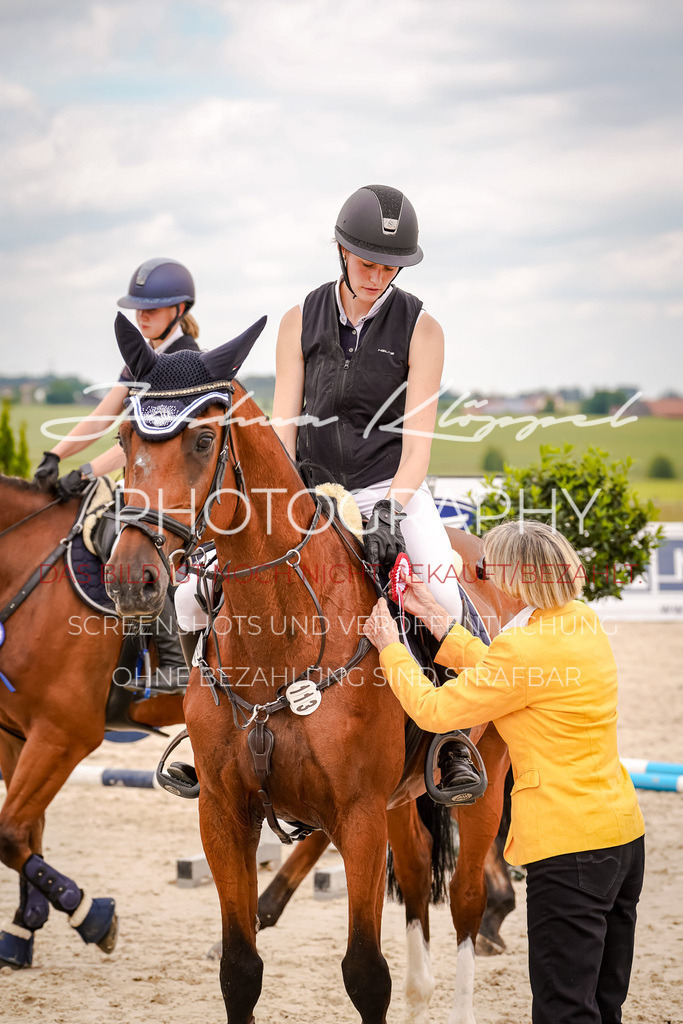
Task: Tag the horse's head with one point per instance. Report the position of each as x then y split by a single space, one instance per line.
177 445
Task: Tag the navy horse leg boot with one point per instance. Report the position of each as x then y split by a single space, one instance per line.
16 939
94 919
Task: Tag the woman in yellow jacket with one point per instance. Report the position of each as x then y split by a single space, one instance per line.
549 683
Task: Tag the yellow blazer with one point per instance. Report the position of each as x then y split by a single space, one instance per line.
550 687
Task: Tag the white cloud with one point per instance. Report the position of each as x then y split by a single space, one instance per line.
538 143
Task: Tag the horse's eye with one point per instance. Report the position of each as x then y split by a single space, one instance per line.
204 442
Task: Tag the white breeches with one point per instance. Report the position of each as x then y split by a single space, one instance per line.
427 544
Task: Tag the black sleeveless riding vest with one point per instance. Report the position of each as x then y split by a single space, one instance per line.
351 391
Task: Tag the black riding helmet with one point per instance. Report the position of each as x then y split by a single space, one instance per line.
378 223
158 283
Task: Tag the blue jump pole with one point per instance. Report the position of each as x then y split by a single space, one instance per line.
666 783
130 778
637 764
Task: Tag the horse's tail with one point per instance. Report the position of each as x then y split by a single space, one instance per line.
437 820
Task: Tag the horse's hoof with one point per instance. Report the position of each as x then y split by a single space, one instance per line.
216 951
98 926
109 941
488 947
16 951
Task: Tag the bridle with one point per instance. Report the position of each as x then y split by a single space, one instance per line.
143 519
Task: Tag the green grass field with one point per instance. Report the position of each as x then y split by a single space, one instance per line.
641 441
34 417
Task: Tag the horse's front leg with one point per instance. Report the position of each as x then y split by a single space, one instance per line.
16 936
362 841
36 775
478 825
275 898
230 838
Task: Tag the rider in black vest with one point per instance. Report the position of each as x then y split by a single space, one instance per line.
162 292
358 374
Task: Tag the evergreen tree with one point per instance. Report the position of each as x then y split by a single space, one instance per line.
7 451
14 459
22 463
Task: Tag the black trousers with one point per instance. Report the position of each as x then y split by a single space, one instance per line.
581 914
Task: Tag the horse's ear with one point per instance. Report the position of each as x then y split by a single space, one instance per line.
224 362
138 355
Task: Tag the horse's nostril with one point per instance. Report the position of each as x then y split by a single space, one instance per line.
149 576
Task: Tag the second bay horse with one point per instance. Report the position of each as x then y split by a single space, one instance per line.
56 664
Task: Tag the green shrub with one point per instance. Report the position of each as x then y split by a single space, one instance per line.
661 468
593 508
492 461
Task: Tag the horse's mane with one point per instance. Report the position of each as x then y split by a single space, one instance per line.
16 483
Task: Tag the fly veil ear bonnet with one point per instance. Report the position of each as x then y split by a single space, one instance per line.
169 390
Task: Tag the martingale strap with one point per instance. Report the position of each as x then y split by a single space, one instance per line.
254 717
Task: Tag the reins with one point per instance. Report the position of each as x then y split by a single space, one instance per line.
31 515
37 576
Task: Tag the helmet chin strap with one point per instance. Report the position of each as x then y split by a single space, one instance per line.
345 272
164 334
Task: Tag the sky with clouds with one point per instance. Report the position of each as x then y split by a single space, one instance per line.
541 144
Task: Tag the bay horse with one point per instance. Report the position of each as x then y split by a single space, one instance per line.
338 768
57 661
500 894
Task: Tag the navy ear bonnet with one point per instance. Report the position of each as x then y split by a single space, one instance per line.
171 389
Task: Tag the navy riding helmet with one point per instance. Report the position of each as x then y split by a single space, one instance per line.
159 282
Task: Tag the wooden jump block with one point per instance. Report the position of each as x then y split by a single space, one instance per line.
328 883
194 871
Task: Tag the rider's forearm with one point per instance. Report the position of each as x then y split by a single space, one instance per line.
83 434
114 458
287 432
409 478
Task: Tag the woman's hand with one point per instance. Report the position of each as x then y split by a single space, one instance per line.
380 628
419 600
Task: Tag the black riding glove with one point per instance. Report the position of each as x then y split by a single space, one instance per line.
383 538
47 473
73 484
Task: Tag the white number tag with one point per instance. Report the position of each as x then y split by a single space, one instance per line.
304 697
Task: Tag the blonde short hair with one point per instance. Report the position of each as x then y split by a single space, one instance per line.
532 562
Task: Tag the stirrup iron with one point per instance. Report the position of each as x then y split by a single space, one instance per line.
457 796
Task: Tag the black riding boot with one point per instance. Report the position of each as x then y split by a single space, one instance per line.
455 764
172 674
